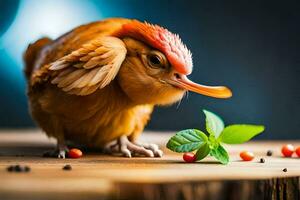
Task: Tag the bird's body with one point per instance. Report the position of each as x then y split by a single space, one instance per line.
84 120
89 85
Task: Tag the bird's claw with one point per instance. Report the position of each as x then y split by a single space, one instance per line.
128 149
61 154
154 148
57 153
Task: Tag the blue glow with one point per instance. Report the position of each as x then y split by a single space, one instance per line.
51 18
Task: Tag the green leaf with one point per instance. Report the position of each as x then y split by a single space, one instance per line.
240 133
220 154
214 124
203 151
187 140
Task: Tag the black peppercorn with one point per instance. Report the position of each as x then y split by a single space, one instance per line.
18 168
10 168
67 167
285 170
26 169
269 153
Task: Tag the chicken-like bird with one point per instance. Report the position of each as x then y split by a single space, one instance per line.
97 84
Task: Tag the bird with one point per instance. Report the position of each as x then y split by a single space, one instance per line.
98 84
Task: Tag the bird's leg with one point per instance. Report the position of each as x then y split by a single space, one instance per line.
128 148
62 148
60 151
111 147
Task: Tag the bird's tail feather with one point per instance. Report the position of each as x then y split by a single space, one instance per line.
31 54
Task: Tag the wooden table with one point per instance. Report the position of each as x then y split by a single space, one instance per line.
98 176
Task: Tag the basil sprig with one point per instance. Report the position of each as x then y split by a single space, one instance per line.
210 144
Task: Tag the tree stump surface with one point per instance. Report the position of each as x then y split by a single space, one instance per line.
99 176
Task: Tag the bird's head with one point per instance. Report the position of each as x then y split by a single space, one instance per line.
156 66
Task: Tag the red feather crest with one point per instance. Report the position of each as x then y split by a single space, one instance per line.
160 38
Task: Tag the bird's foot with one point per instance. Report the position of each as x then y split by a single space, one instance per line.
57 153
129 149
153 147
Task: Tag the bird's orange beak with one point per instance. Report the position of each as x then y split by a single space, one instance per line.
212 91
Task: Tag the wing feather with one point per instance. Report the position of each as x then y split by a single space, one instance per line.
92 66
70 78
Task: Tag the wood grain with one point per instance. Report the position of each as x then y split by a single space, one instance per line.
98 176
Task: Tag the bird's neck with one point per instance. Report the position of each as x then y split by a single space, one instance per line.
113 98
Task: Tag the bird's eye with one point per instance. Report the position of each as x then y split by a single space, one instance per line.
156 60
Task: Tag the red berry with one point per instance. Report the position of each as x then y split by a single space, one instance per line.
247 155
298 151
287 150
189 157
74 153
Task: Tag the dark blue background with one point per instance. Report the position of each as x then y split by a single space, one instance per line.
251 46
